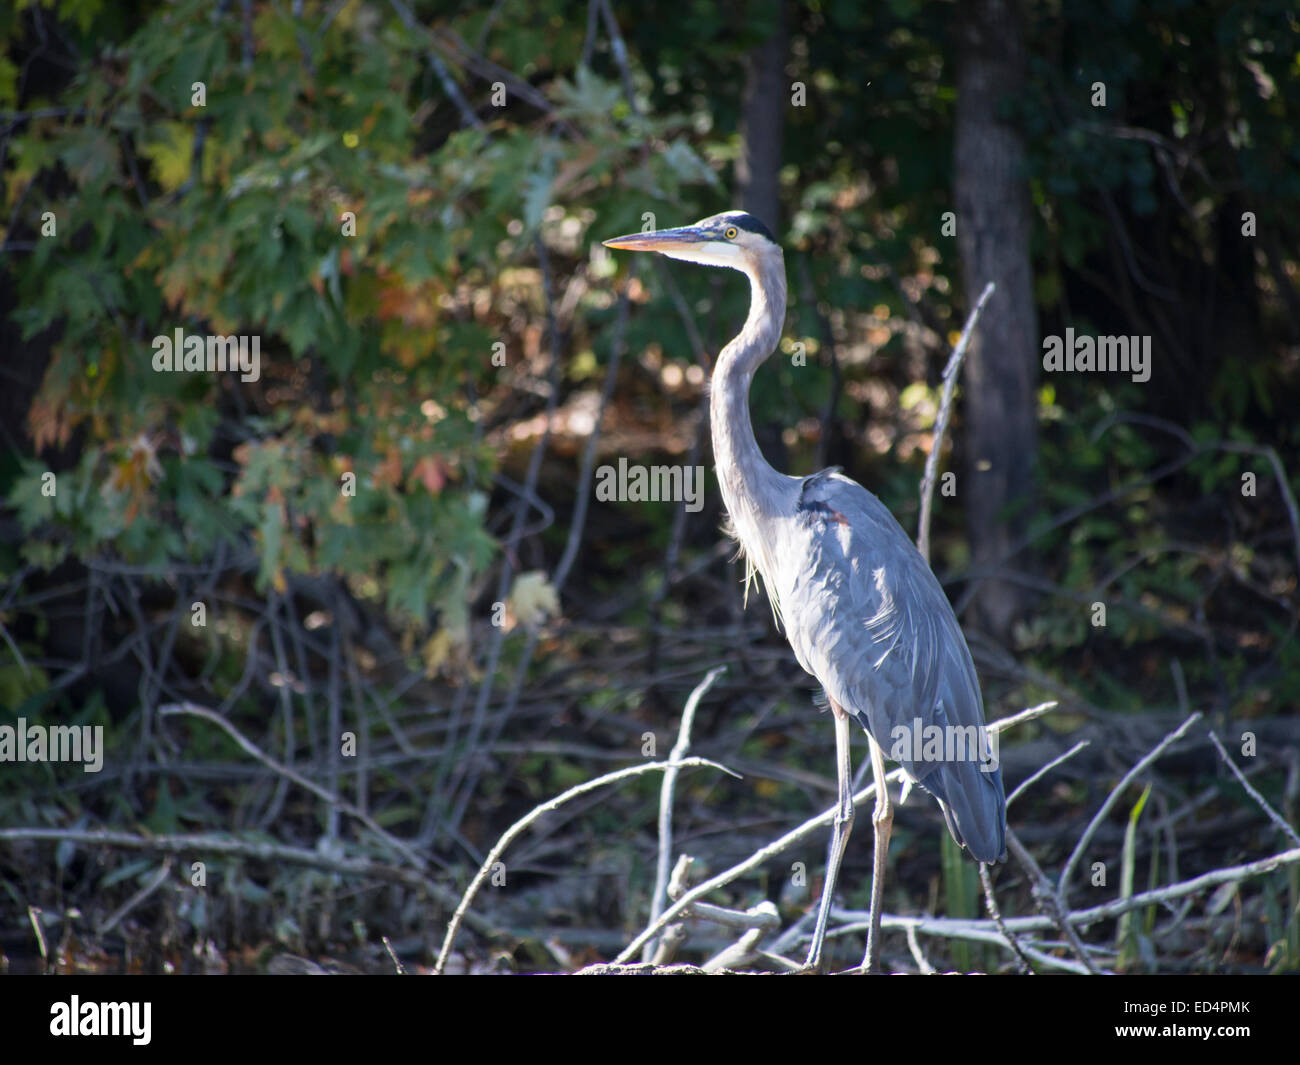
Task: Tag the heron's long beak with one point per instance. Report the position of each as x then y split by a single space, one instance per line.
661 240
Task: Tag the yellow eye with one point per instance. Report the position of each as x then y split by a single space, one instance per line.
730 232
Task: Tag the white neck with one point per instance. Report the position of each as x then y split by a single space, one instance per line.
749 484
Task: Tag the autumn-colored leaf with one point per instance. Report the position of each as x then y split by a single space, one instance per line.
49 424
413 305
388 473
533 598
432 473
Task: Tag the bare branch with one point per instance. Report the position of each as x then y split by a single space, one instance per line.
1004 723
991 903
260 850
1107 910
1049 899
153 884
1063 884
522 824
922 962
1030 781
763 854
660 893
950 374
247 745
1272 814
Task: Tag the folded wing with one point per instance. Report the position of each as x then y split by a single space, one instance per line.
867 618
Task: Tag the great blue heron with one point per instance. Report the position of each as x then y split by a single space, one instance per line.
860 607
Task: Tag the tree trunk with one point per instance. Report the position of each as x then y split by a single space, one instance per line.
762 125
993 229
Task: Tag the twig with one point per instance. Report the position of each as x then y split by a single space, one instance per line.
1004 723
922 962
950 374
1026 784
1108 910
771 850
758 858
991 902
912 926
467 114
397 962
455 49
1063 883
247 745
585 482
462 784
589 42
684 313
519 826
779 962
1273 815
675 934
1049 899
155 882
259 850
13 647
619 51
679 750
761 918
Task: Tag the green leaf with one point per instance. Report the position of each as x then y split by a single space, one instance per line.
1126 936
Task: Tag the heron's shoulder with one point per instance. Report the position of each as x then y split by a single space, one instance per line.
862 562
818 480
833 496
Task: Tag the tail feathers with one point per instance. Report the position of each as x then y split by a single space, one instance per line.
973 802
974 805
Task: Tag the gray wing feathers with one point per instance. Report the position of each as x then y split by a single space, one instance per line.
867 617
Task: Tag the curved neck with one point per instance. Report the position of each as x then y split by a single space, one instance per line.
743 473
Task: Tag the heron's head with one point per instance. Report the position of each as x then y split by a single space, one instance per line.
734 238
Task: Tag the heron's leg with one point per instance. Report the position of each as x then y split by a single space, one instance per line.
840 833
882 820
